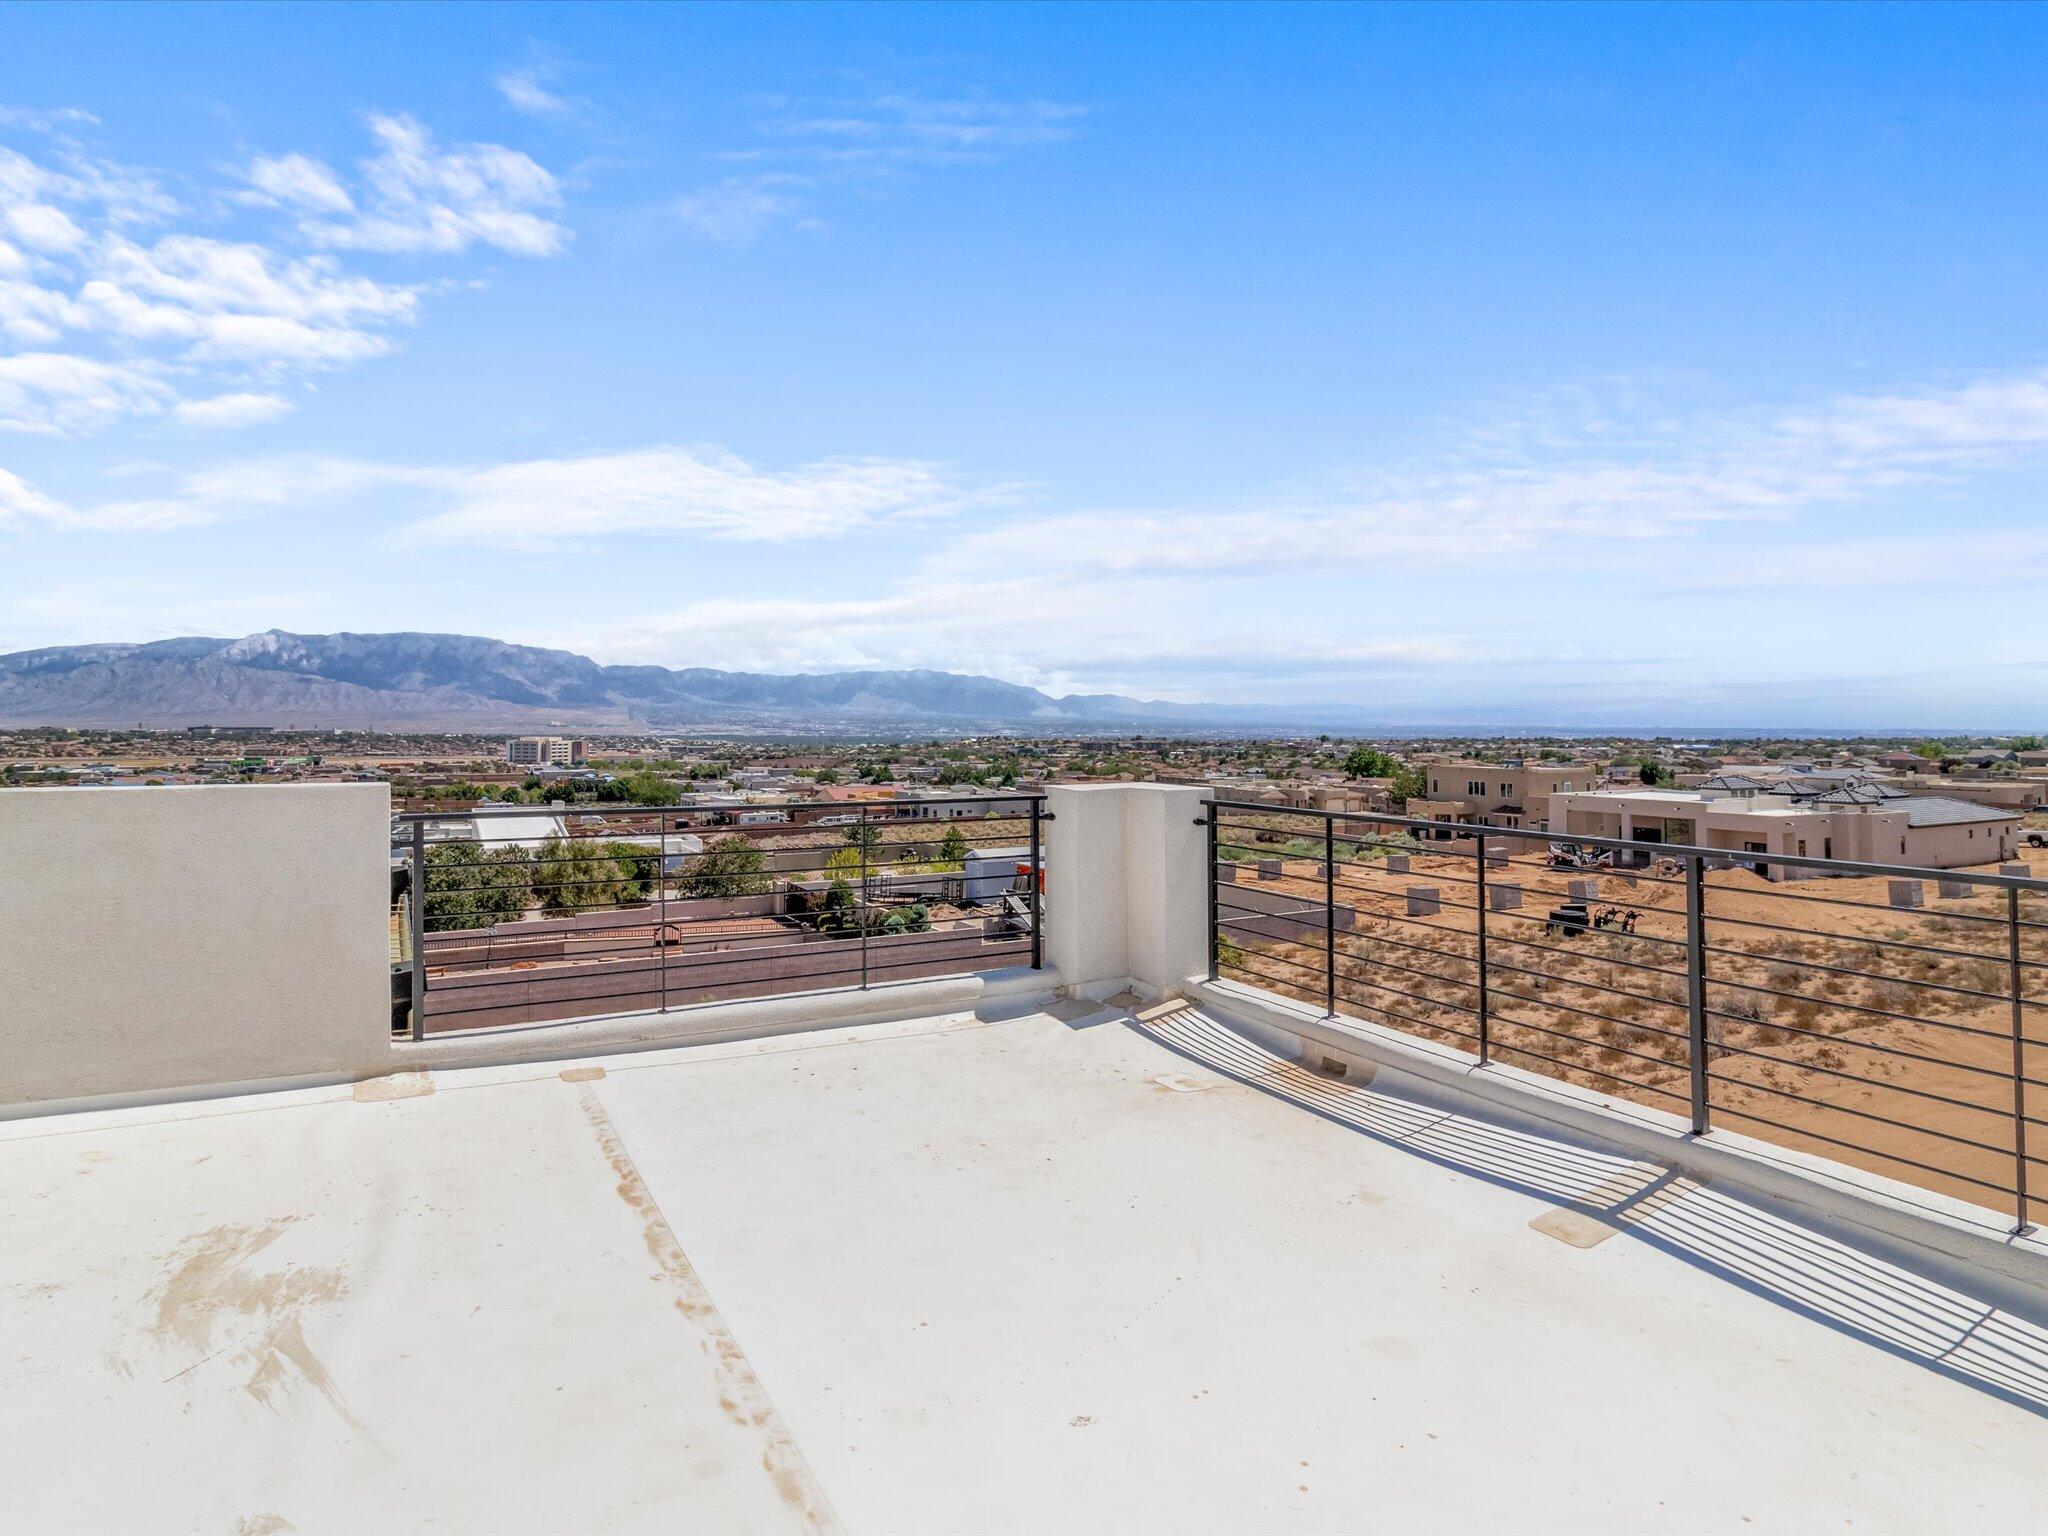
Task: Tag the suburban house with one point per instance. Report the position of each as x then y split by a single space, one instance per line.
1353 796
1510 794
1866 822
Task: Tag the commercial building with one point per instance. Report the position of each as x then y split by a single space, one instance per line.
546 752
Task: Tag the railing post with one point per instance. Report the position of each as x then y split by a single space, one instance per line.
860 911
2019 1062
1485 1013
661 894
1330 914
1215 933
419 930
1696 987
1037 900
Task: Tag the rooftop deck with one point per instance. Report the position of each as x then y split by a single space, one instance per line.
1096 1271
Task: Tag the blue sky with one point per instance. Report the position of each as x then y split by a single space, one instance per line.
1558 365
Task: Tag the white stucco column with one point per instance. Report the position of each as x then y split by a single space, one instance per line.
1126 898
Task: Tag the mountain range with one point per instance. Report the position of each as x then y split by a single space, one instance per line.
467 683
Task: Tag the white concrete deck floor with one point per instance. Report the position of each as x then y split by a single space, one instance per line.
946 1276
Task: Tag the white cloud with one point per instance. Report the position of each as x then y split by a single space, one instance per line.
419 198
296 181
687 490
244 409
542 503
807 152
523 92
739 209
918 127
1556 482
56 120
1159 640
41 227
55 394
21 503
1974 558
112 315
242 303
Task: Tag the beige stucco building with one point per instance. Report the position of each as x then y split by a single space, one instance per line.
1860 823
1510 794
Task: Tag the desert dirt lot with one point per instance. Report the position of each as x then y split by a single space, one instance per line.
1837 1024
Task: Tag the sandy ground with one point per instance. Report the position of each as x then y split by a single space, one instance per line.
1903 1066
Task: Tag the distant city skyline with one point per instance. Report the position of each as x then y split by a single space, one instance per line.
1589 367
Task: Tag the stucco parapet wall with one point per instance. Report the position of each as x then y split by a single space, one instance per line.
1897 1220
165 938
991 994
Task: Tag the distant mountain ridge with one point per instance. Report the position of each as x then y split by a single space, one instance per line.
466 682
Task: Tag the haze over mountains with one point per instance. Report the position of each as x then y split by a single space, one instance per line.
464 682
428 682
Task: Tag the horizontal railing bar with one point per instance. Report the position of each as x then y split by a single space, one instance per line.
1495 964
1393 1013
1653 850
1861 975
1401 944
1409 970
1996 956
1591 1013
1857 1146
1594 933
1861 1044
1862 1008
830 808
1725 1048
1592 1045
1413 997
1572 1066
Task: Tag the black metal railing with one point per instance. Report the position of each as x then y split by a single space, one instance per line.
1825 1006
518 914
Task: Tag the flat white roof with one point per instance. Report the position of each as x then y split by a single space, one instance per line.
1054 1273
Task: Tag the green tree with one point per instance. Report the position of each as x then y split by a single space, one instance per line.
731 866
571 877
1409 784
469 886
644 788
953 848
639 870
1365 763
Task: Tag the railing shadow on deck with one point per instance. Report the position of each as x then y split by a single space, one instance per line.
1882 1304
